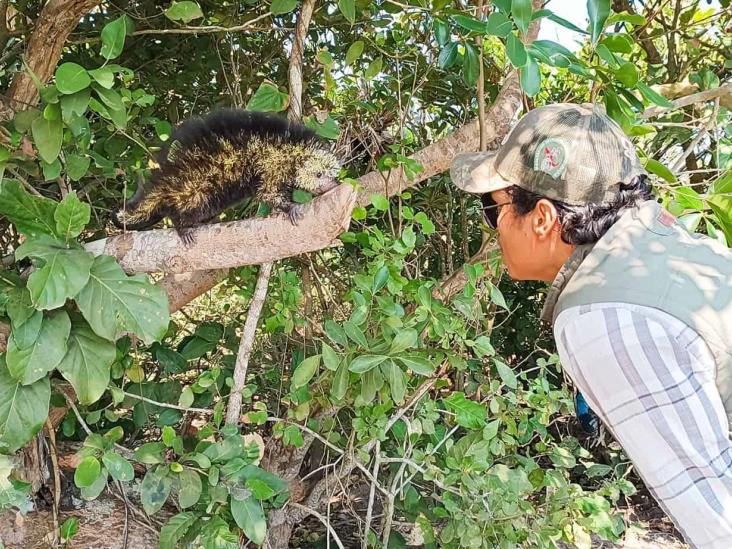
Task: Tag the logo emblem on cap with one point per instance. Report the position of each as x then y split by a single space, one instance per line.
550 157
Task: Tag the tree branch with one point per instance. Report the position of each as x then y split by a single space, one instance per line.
723 92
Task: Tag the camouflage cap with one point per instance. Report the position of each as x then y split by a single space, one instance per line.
572 153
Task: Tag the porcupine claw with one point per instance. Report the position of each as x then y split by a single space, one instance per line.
186 235
296 213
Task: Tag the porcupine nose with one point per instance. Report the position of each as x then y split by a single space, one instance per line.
328 185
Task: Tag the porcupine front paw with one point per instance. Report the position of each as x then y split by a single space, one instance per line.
296 213
186 235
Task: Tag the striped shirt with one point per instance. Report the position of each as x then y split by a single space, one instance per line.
650 378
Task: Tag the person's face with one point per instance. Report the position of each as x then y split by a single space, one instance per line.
531 244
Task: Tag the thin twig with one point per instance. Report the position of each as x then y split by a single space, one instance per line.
167 405
321 518
233 411
704 130
372 494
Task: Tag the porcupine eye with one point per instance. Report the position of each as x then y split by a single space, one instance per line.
319 174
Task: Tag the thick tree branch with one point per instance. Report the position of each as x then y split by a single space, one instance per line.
53 26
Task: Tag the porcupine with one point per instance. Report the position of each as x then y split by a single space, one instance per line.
215 162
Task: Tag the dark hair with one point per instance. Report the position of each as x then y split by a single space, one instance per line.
587 224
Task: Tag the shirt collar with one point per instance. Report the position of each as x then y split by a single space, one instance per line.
562 279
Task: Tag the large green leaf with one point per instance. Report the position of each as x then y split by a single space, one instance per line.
75 104
114 303
71 78
155 489
87 472
190 488
719 199
395 377
87 363
348 9
76 168
305 371
653 96
278 7
71 215
599 11
30 364
340 381
64 273
471 65
118 467
249 516
627 74
364 363
354 52
23 409
175 529
521 11
469 414
530 77
113 36
516 51
418 364
48 135
185 11
268 98
470 23
31 215
448 55
499 25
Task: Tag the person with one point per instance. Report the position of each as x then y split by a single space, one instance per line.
641 308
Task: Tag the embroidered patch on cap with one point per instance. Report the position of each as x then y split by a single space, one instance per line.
666 218
550 157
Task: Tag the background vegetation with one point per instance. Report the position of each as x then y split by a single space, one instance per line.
399 363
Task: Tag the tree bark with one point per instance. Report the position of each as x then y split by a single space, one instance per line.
57 20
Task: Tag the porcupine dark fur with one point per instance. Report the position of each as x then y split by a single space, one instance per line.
215 162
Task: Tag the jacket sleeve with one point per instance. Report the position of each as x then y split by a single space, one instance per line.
650 378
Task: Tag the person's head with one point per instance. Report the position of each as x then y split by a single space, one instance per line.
562 178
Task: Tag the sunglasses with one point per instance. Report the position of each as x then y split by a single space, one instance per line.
491 210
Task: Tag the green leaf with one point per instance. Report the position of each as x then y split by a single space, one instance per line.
47 135
655 167
340 382
113 36
418 364
599 11
348 9
395 378
260 490
354 52
470 23
516 51
552 53
305 371
566 24
719 198
471 65
469 414
64 273
69 528
51 171
442 31
23 409
76 168
155 489
448 55
330 357
507 375
71 215
74 105
380 202
87 364
530 77
268 98
118 467
175 529
627 74
87 472
114 304
364 363
190 488
625 17
31 215
374 68
104 76
405 338
499 25
150 453
71 78
187 11
33 363
483 346
654 97
279 7
619 43
497 297
355 334
27 333
109 97
521 11
249 516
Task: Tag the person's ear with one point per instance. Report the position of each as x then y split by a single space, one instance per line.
544 218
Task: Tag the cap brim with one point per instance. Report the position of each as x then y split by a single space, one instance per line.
476 173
